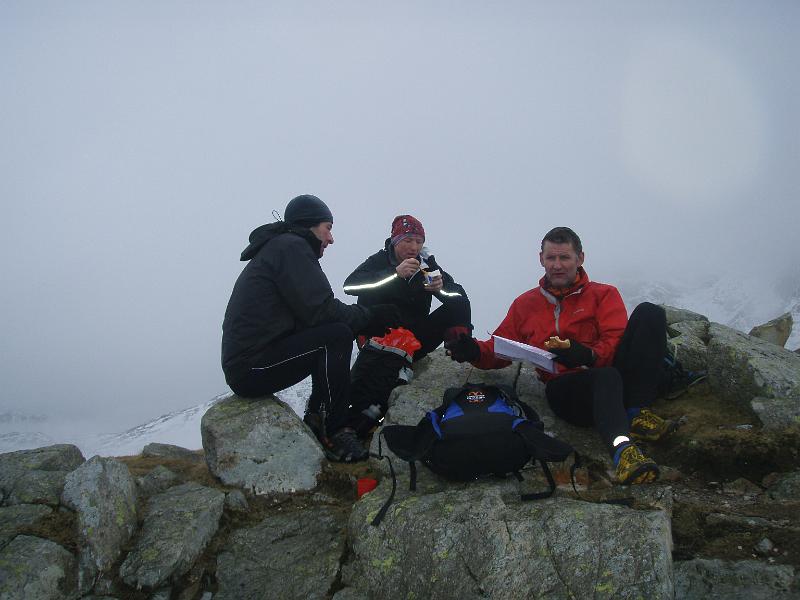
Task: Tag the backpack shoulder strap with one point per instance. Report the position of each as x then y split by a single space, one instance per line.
542 446
410 442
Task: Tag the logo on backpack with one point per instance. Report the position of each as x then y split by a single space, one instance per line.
475 396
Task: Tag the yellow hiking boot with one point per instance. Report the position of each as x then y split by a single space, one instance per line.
649 427
634 467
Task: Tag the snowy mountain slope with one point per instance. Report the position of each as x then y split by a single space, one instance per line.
181 428
737 302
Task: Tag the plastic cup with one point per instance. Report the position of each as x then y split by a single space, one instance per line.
366 485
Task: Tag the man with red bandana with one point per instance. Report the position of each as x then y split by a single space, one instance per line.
406 275
608 374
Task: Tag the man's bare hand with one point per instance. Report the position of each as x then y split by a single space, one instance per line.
435 285
407 268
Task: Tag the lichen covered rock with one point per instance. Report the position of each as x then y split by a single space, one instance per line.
260 445
286 556
36 476
479 542
178 525
35 569
103 494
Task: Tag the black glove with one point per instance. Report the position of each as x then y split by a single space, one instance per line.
463 349
576 355
381 317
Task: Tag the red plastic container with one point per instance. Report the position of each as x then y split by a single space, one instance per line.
366 485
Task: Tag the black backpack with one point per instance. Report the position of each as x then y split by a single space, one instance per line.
479 430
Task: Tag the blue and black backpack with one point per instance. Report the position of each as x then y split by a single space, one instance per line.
478 431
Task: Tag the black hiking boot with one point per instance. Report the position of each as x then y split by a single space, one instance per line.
344 446
649 427
676 381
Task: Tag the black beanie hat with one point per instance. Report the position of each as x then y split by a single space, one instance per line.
307 211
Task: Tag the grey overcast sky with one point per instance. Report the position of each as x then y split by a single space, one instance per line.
142 141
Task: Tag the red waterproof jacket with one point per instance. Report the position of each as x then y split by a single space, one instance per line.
593 314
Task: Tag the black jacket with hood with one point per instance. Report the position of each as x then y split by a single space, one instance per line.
375 281
282 290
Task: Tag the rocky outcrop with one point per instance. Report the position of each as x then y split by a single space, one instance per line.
681 315
688 344
102 493
36 476
156 481
260 445
776 331
741 368
445 539
35 569
270 559
777 413
156 450
178 525
481 542
740 580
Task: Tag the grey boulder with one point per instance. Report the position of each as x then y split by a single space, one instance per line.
260 445
689 345
178 525
678 315
32 568
36 476
157 480
776 331
777 413
741 367
103 494
482 542
155 450
274 559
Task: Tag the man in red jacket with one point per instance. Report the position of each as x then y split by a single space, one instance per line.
607 366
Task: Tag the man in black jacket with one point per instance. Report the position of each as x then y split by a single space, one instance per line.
406 275
283 323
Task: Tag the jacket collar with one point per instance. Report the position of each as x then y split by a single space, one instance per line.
264 234
555 295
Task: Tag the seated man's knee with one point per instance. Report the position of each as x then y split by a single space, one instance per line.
339 334
649 312
606 377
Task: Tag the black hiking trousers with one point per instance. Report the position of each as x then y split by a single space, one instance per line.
375 373
600 396
322 352
429 330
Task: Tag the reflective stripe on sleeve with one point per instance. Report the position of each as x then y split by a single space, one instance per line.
366 286
443 293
